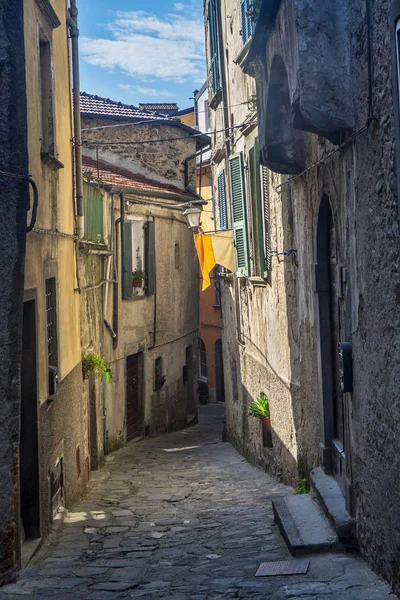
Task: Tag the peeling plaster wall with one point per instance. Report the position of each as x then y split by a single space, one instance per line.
177 323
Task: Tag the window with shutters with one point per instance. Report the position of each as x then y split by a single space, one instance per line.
239 216
247 22
203 361
138 256
51 334
266 219
222 204
93 207
46 95
259 214
214 48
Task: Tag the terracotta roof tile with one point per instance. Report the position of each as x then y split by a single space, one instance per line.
112 175
104 107
155 106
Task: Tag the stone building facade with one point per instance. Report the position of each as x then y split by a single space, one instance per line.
13 206
318 330
142 185
54 459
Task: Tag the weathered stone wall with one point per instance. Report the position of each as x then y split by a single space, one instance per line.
162 161
173 311
13 209
271 333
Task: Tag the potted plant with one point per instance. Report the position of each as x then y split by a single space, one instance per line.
95 366
137 278
159 381
259 409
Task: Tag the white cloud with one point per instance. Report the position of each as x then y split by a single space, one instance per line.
179 6
147 91
169 47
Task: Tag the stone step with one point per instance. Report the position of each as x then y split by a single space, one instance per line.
304 526
332 502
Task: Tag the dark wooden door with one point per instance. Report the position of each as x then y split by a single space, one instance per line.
191 402
338 442
134 396
219 372
29 442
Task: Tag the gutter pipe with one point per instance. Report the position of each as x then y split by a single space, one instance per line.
74 32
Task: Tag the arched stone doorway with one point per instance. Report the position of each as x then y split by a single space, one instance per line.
327 278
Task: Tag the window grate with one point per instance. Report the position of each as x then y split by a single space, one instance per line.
51 322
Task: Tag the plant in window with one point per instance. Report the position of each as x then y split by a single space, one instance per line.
259 409
137 278
159 381
94 366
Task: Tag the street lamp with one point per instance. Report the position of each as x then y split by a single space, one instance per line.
192 216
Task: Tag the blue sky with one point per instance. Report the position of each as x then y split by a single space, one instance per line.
142 51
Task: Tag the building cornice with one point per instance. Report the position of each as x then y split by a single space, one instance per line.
49 13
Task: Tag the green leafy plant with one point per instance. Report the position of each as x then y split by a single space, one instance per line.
94 366
137 275
302 486
259 409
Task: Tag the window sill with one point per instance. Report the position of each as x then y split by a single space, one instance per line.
258 281
241 57
87 246
136 298
51 161
216 99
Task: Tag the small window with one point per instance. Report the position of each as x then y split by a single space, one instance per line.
177 257
46 97
138 258
217 287
247 21
214 45
93 205
203 360
207 115
51 334
159 377
222 203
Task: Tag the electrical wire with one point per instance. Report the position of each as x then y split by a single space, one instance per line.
90 142
151 118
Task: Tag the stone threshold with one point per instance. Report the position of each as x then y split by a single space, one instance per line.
332 502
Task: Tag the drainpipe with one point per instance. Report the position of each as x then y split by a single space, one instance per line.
74 32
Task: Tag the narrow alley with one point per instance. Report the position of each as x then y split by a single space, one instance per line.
182 517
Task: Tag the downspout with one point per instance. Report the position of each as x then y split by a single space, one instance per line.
74 32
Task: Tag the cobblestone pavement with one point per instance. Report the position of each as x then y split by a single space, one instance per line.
182 517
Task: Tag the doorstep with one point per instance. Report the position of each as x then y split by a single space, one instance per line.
332 502
304 526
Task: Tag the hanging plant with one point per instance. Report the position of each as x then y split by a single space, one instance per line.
159 381
94 366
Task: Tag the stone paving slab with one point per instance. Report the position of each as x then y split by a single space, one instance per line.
182 517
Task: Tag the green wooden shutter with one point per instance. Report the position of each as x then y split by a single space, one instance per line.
214 50
266 211
238 200
150 257
247 23
127 260
93 207
222 207
259 209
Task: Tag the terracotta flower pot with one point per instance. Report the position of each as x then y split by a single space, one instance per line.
137 283
266 423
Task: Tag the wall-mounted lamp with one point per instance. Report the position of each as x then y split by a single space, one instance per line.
192 216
